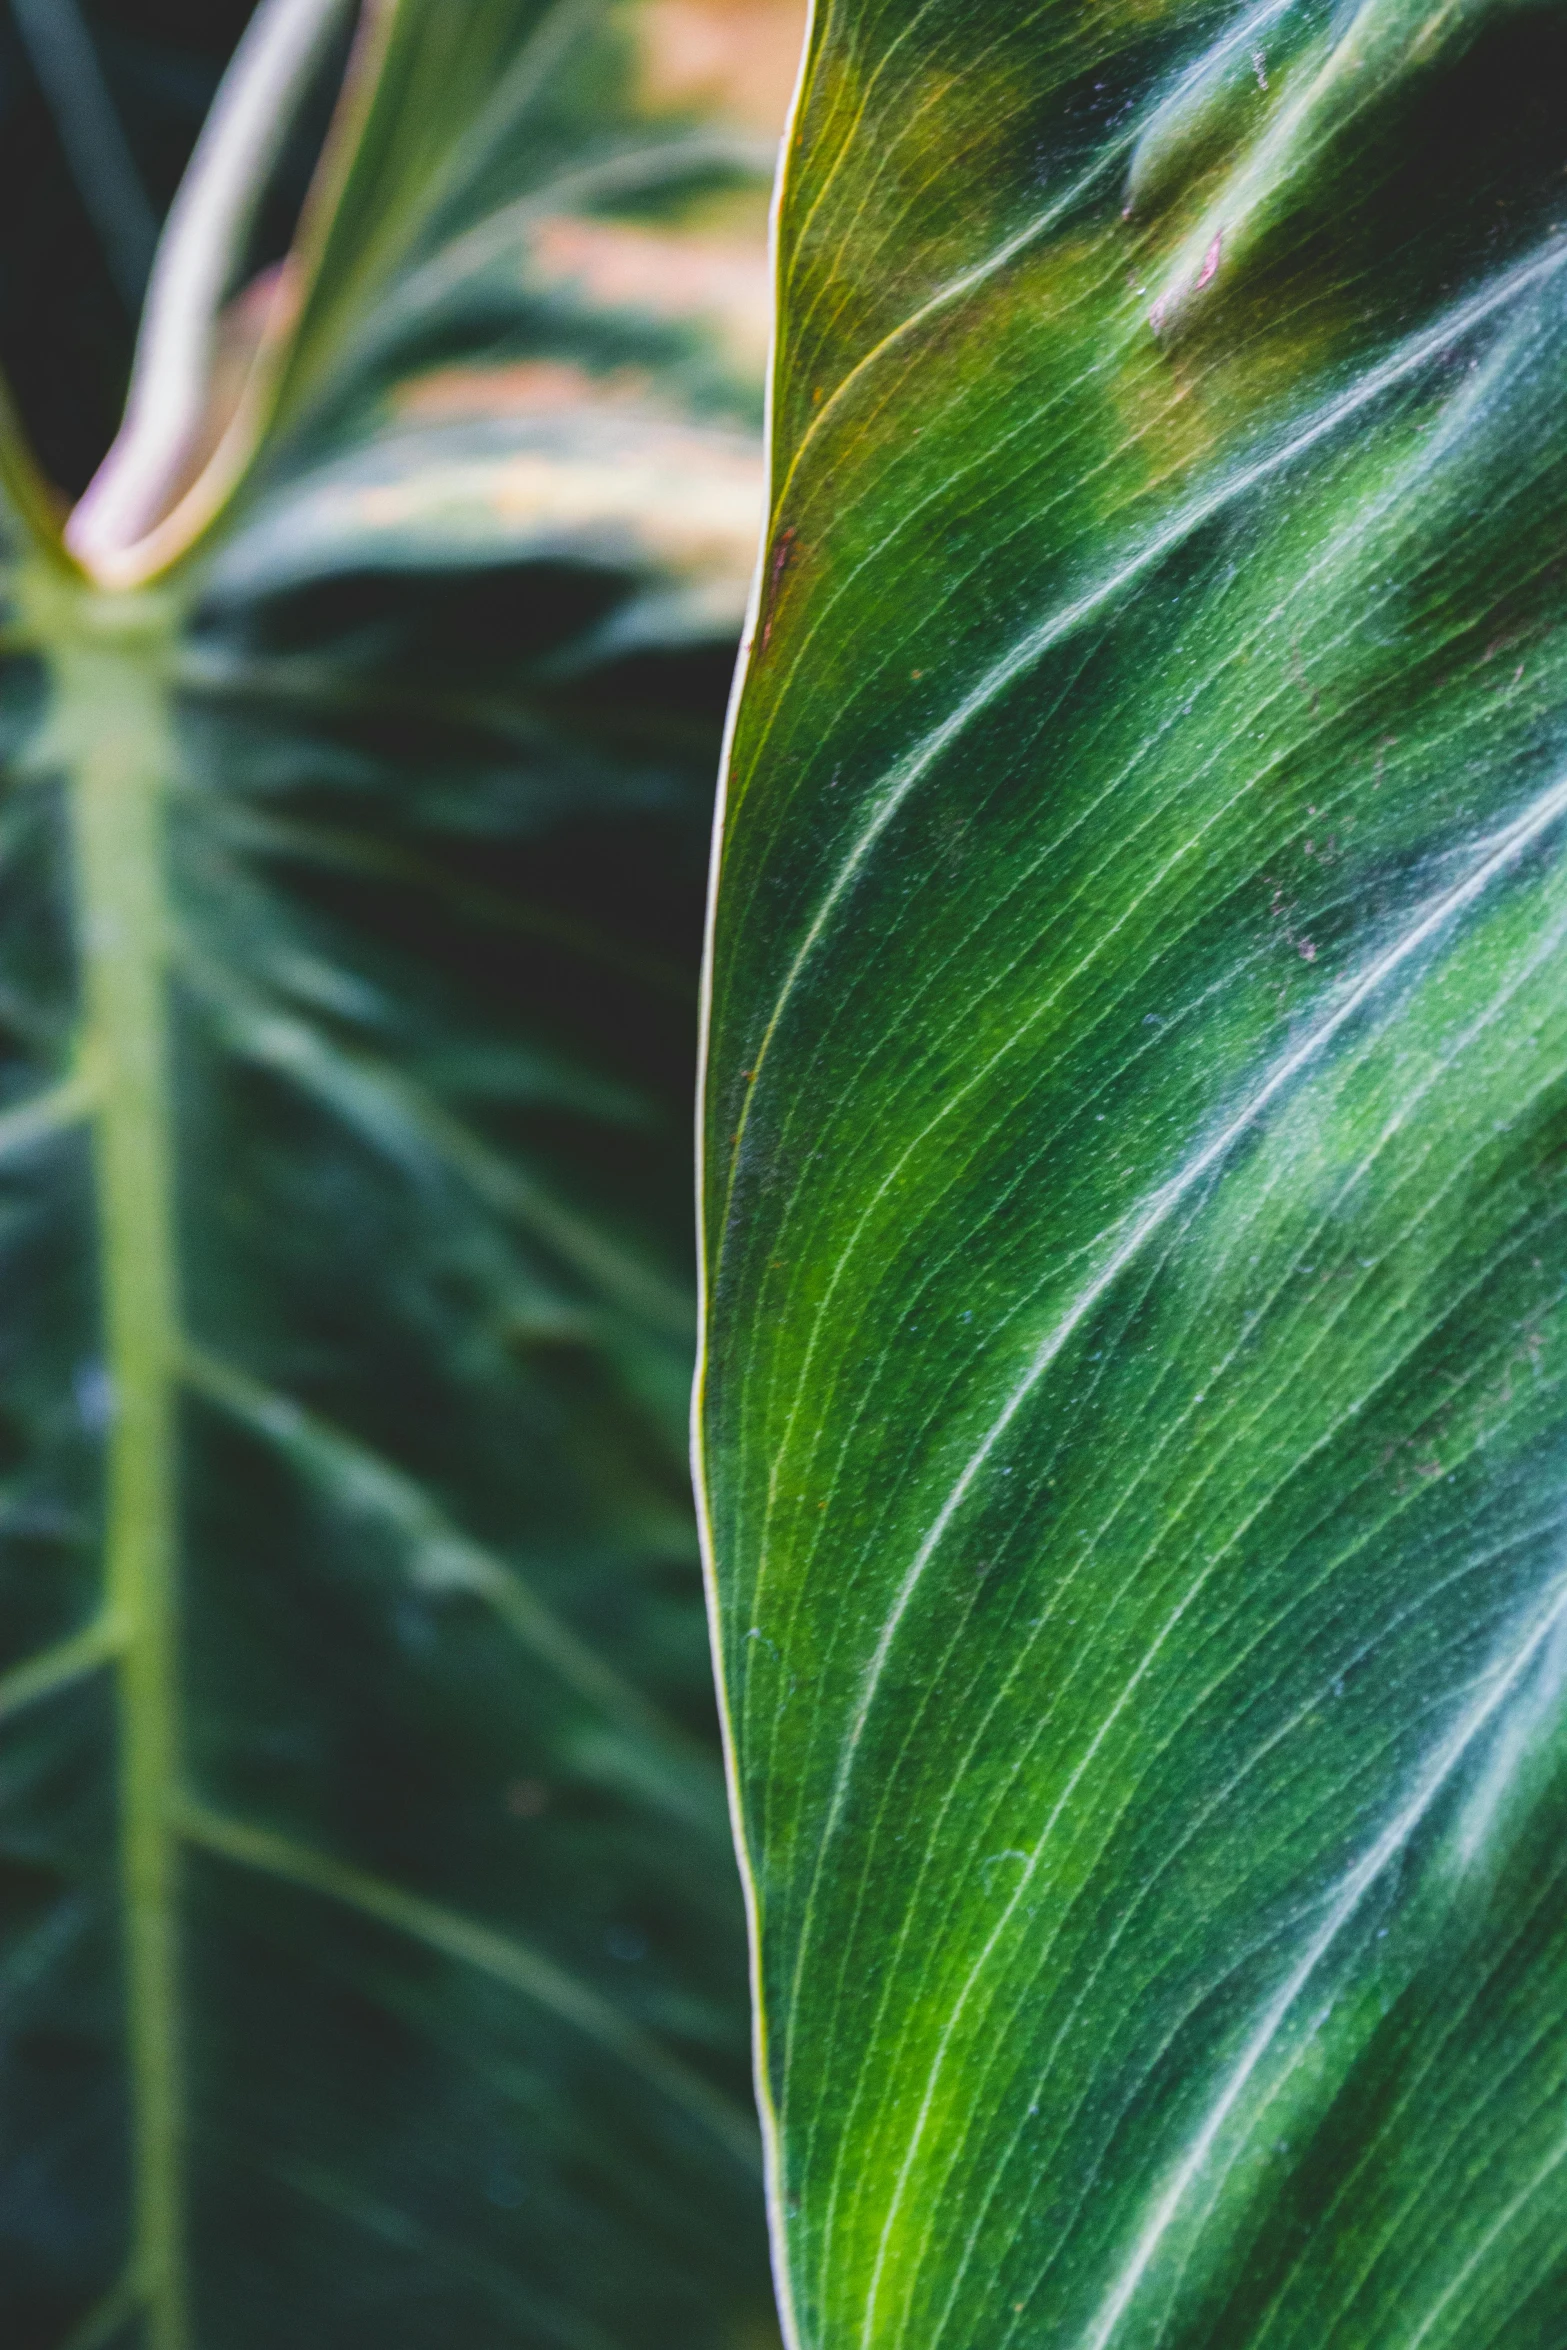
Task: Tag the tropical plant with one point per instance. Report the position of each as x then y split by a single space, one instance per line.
371 1956
1136 1144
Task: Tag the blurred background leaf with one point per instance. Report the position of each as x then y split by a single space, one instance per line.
426 727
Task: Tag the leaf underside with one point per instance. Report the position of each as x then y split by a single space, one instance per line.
371 1956
1136 1162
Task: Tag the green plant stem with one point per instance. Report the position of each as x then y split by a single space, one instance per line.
110 722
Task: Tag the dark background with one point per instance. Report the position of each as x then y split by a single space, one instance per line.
66 330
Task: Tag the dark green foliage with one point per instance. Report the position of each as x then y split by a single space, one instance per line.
371 1952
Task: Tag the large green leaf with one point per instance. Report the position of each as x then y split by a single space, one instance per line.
371 1950
1137 1161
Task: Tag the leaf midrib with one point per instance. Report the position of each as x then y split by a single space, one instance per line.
110 722
111 660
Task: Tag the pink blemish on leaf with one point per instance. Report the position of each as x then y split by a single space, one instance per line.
783 556
1210 262
1306 951
1156 315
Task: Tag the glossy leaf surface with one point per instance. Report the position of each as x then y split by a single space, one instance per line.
371 1952
1134 1414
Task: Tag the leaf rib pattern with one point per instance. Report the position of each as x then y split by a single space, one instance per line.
440 1559
1132 1410
60 1666
509 1961
1151 1219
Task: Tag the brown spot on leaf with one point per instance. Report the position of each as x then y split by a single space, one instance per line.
778 565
